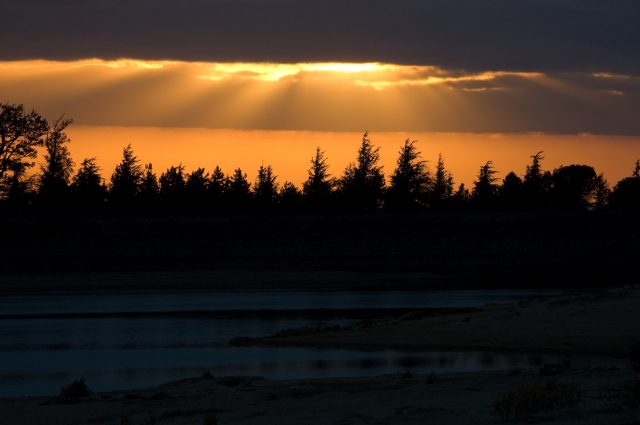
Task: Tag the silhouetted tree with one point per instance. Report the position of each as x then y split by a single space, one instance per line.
511 193
172 189
21 134
88 190
442 187
573 187
149 190
462 194
363 183
602 193
484 189
53 190
125 182
215 190
626 193
536 184
289 198
410 181
265 190
18 190
319 185
196 192
237 194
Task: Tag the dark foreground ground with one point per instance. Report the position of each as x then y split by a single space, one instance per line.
422 251
448 399
596 383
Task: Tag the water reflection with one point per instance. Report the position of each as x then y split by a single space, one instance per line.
141 339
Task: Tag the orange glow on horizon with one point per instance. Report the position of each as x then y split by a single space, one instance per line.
246 114
289 152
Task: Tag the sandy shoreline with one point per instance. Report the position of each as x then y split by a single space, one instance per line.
595 323
601 323
455 398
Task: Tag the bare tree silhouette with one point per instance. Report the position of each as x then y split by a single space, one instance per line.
21 134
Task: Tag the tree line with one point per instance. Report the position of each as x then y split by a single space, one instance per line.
135 188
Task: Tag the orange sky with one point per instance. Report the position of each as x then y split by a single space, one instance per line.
289 152
247 114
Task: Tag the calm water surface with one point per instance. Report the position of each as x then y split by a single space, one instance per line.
139 339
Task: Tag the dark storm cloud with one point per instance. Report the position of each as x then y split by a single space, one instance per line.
543 35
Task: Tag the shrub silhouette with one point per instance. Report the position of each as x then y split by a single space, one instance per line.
529 398
76 389
626 393
210 419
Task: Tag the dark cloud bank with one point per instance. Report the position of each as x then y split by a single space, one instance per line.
544 35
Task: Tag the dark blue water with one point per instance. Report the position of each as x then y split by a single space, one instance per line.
140 339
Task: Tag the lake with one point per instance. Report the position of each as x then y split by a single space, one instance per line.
135 339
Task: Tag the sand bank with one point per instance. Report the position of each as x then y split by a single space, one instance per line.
603 323
392 399
600 323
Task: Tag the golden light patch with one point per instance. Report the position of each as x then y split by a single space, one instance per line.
376 75
328 96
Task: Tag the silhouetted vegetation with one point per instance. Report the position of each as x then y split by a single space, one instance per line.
76 389
626 194
362 185
210 419
621 395
319 186
53 187
125 183
529 398
134 189
410 181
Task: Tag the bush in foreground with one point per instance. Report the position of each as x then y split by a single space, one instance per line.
76 389
625 394
529 398
210 419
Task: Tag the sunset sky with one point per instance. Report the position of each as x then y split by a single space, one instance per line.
251 82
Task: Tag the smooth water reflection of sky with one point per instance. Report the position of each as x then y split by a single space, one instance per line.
142 339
